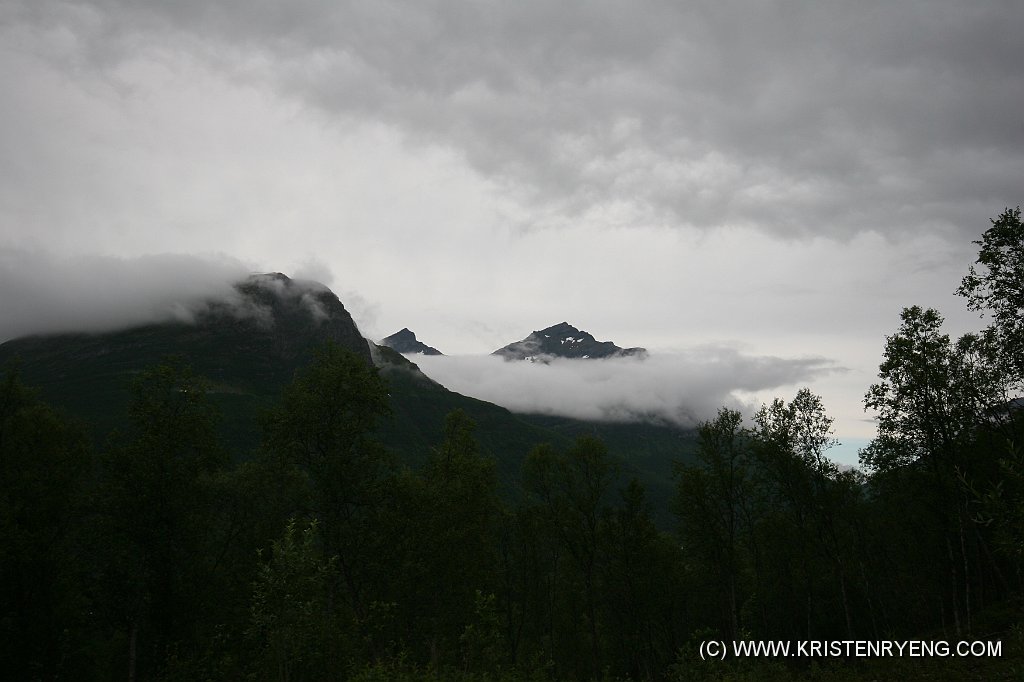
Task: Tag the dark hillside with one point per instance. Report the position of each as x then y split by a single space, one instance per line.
248 349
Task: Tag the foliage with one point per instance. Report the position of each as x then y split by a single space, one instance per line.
1001 505
713 505
931 395
157 505
290 622
324 424
44 472
996 287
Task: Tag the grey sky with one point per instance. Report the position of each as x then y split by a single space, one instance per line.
778 177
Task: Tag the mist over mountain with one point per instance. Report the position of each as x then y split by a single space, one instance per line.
563 340
405 341
680 388
44 293
247 341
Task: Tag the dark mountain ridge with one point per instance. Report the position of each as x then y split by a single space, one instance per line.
405 341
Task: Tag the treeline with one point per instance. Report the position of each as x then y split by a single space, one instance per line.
158 555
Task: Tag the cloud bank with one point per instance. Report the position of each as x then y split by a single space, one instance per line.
801 119
679 388
47 294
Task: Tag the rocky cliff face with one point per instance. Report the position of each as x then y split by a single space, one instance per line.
268 314
288 316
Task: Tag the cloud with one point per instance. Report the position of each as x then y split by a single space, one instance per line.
827 118
47 294
314 269
678 388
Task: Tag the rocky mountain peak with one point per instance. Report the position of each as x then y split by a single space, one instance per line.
563 340
405 341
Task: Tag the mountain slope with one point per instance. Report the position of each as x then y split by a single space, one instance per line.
250 347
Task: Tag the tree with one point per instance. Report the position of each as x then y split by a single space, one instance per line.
931 399
323 428
158 501
571 489
642 588
928 397
802 429
996 287
441 534
289 620
325 422
462 491
44 470
809 495
710 501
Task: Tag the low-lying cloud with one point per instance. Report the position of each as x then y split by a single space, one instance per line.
44 294
679 388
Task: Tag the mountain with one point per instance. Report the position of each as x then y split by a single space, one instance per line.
249 347
405 342
564 341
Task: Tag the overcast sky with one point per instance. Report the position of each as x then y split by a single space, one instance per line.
768 179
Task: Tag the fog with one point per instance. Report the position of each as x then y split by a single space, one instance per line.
43 293
680 388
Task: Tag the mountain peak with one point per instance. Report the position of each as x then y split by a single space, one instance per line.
561 327
405 341
563 340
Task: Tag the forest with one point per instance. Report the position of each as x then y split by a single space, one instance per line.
160 554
